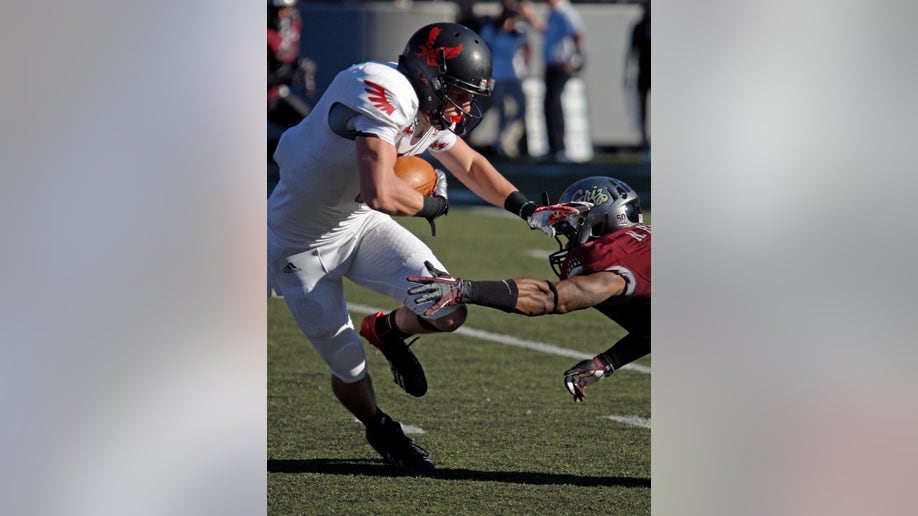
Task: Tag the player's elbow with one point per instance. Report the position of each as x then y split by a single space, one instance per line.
384 203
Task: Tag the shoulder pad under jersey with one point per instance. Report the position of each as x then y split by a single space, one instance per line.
377 90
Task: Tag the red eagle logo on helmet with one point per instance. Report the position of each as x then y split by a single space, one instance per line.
429 52
379 97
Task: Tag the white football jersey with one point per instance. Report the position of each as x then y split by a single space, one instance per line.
314 201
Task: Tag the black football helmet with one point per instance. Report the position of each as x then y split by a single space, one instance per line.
615 205
441 58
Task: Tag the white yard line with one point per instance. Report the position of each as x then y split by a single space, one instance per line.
411 429
510 340
539 254
408 429
631 420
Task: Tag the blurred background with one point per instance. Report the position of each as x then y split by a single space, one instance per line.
603 133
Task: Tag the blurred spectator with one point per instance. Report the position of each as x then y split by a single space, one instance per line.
468 18
637 70
510 52
563 54
285 67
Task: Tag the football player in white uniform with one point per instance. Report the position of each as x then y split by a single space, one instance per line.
329 215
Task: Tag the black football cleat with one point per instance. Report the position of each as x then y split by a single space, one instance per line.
406 369
389 441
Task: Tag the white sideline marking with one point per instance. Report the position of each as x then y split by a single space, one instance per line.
631 420
510 340
408 429
541 254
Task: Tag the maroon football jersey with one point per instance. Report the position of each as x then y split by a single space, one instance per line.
625 252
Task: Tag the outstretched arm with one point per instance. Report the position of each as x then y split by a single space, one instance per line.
526 296
537 298
480 176
477 173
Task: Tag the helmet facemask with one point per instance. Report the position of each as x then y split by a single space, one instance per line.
462 123
574 230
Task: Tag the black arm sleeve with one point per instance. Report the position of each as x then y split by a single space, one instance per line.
519 205
628 349
495 294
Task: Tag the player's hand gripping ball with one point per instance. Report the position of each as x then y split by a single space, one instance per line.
417 172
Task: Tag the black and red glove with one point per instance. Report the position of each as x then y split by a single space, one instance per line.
586 373
544 218
441 287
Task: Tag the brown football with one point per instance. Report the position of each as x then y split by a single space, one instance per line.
417 172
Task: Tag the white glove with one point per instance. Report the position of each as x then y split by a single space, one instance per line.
440 187
438 191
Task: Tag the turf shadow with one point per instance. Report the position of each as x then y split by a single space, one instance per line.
378 468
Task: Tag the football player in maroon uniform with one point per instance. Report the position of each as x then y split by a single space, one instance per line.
605 264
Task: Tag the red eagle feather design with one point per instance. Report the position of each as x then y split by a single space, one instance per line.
429 52
379 96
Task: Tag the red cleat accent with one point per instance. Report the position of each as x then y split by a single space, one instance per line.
407 372
368 329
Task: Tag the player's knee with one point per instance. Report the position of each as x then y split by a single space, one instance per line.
343 352
349 362
451 321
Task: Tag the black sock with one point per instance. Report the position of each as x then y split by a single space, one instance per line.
378 420
385 326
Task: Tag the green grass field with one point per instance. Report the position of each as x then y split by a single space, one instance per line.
500 426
